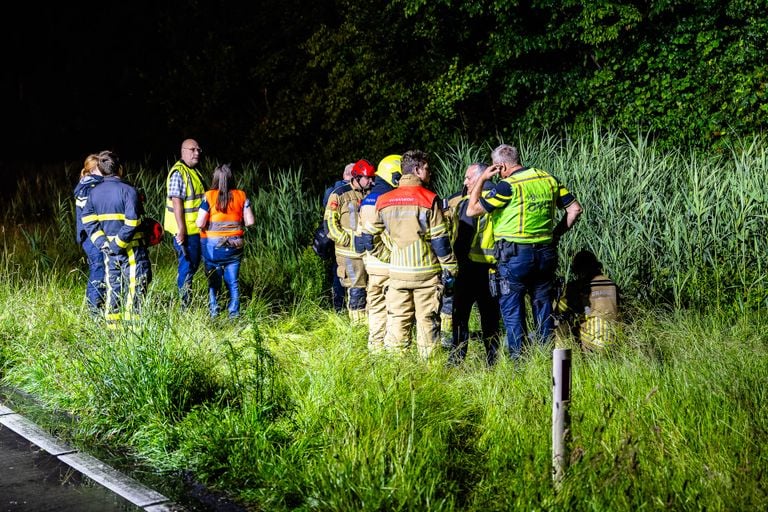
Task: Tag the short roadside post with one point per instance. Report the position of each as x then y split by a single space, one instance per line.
561 420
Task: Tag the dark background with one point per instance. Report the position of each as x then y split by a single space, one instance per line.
80 79
319 84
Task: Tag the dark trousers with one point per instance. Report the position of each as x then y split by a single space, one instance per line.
472 287
526 269
96 289
128 276
338 292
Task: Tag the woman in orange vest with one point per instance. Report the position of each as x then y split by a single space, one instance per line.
222 218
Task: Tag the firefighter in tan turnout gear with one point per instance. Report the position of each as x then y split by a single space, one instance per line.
342 215
377 250
590 305
412 218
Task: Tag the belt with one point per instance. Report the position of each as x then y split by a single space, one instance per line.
532 246
504 249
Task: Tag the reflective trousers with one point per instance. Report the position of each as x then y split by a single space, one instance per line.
377 310
127 275
351 272
95 290
408 301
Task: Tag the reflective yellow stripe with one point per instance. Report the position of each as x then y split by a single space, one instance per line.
110 216
131 283
98 234
193 190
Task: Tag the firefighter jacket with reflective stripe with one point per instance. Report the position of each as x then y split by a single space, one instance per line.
524 205
377 247
113 214
592 307
342 218
413 218
193 196
600 300
82 191
474 235
224 224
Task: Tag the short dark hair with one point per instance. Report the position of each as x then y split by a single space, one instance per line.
412 160
586 264
109 164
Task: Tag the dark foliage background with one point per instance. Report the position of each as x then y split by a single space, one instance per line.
321 83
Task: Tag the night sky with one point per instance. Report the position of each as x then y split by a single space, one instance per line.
74 82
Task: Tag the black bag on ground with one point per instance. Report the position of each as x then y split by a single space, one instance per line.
321 244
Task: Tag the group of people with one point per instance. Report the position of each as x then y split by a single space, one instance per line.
404 255
206 224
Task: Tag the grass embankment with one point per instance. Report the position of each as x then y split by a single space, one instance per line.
291 411
288 410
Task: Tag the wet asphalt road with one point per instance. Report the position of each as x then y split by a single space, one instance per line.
33 480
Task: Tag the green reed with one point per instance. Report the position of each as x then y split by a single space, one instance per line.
287 410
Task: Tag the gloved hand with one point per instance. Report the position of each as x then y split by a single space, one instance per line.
111 249
449 281
359 244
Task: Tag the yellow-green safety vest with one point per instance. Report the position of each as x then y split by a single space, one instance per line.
194 191
528 217
481 249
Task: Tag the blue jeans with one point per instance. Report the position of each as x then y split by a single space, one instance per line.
222 264
96 289
189 260
526 269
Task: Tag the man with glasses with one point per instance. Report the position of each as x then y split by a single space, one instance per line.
185 190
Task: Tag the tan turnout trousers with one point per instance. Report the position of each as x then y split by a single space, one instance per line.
409 300
377 311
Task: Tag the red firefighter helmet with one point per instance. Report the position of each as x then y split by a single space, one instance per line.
363 168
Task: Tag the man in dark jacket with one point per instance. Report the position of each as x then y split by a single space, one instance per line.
473 247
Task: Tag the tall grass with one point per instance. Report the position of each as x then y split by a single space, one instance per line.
679 228
291 411
288 410
683 228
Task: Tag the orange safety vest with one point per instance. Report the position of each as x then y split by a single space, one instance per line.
225 224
